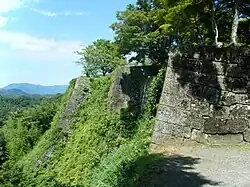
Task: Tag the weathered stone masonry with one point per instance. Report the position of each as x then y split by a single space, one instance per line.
206 97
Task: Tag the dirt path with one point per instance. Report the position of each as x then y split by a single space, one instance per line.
199 166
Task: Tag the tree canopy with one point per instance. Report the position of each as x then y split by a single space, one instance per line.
24 127
101 57
152 28
10 104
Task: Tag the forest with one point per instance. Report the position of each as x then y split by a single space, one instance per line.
104 149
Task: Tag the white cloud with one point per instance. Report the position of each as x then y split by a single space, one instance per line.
31 47
8 5
40 48
3 21
55 14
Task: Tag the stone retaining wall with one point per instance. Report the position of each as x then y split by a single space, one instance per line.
206 97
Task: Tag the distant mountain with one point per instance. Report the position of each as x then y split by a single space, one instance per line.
36 89
12 92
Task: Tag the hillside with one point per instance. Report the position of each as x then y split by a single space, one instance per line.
12 92
37 89
101 127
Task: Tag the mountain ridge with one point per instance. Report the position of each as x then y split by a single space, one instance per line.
28 88
14 92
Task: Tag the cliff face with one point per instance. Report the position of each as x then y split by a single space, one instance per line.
206 97
129 88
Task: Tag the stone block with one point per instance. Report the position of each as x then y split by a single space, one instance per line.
237 125
216 139
171 87
235 70
160 126
195 121
225 126
174 100
175 88
164 129
181 131
158 137
218 111
208 80
198 136
215 126
236 85
199 106
240 111
211 94
227 139
230 98
172 115
247 135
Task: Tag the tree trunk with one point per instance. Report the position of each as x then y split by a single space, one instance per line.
235 22
215 28
214 24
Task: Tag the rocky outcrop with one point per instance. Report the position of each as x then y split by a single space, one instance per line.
128 92
77 95
206 97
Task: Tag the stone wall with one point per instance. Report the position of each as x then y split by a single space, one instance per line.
206 97
128 92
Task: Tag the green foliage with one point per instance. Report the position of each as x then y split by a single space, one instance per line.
22 172
115 168
153 28
137 32
97 152
24 127
9 104
101 57
154 93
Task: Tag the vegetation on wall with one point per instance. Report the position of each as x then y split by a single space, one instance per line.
97 150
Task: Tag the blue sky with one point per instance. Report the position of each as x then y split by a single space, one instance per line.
38 37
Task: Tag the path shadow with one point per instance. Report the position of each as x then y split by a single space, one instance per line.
156 170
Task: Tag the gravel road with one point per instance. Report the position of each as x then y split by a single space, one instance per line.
230 167
201 166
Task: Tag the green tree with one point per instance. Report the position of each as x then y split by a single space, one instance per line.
101 57
137 32
10 104
24 127
152 28
235 15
